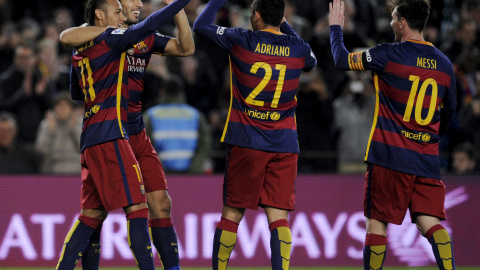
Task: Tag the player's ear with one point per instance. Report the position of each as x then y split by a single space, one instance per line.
257 16
403 23
99 14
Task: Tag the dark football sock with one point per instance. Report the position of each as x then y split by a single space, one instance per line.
223 243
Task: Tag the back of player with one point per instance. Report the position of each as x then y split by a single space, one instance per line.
111 175
101 74
415 101
265 68
413 79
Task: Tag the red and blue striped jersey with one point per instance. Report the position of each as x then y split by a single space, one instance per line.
414 82
99 75
138 58
265 67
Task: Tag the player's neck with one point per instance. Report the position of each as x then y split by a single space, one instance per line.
413 35
269 27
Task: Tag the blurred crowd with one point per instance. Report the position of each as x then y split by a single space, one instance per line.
40 125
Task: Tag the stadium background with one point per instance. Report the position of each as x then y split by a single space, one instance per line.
328 226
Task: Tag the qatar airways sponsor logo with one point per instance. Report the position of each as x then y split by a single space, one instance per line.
314 233
136 64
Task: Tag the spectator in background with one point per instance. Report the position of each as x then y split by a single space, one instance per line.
58 139
10 38
314 117
56 73
298 23
465 75
469 124
15 158
25 92
155 76
353 113
180 133
465 35
463 158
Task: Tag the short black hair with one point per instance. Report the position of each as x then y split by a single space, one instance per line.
415 12
272 11
90 8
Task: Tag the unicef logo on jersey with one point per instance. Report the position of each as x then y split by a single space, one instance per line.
426 137
412 248
274 116
420 137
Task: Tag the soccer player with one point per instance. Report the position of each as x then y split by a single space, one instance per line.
261 134
159 202
111 177
415 101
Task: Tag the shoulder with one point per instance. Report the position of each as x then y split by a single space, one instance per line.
116 31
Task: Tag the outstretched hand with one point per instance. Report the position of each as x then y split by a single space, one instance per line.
336 14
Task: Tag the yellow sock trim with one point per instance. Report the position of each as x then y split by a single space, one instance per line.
285 237
227 243
67 239
377 253
444 244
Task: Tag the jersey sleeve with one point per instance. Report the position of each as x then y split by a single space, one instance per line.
449 103
219 35
160 43
122 39
286 28
204 26
75 89
375 58
310 59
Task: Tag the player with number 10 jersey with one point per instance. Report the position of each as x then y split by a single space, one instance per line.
411 94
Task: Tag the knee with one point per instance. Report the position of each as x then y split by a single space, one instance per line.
159 205
95 213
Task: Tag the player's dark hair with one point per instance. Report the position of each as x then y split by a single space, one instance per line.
90 8
415 12
272 11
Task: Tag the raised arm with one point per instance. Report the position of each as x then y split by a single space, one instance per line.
286 28
76 36
336 20
183 45
207 17
155 20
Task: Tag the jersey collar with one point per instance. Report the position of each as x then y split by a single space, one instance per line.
272 31
421 42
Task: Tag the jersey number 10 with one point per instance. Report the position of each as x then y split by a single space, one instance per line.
420 98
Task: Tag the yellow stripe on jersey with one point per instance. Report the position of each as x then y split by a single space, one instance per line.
119 91
375 116
355 61
231 100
